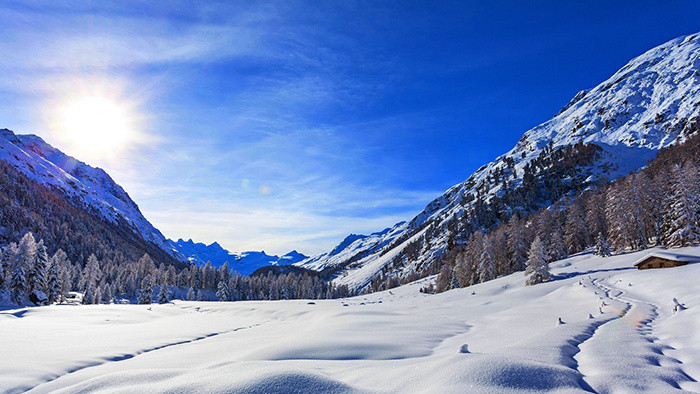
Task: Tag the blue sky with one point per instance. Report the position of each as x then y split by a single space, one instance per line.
289 125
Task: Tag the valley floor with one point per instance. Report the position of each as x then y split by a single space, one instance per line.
620 333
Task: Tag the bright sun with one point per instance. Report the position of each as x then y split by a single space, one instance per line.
95 125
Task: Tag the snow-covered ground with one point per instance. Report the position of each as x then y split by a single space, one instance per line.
397 341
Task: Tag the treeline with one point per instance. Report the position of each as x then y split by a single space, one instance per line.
554 173
493 238
28 274
658 205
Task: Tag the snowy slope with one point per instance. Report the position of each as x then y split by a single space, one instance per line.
619 334
83 185
651 103
353 245
244 263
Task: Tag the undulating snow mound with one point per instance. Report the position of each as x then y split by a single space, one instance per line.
88 187
651 103
600 326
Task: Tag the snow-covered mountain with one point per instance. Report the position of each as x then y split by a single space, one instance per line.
354 245
604 132
244 263
84 186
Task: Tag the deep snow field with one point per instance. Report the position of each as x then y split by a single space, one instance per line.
397 341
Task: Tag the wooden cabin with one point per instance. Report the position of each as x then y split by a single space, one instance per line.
664 260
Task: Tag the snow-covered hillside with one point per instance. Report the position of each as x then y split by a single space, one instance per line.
650 103
244 263
88 187
354 245
620 331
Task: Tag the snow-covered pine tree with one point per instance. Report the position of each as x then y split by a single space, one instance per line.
224 272
144 266
53 284
487 269
454 278
615 219
91 274
443 280
517 244
601 246
222 290
197 278
682 221
557 249
106 291
537 266
595 213
190 295
97 295
18 283
209 275
163 294
26 256
65 283
37 272
146 290
575 231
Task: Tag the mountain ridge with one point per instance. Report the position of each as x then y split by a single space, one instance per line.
86 186
244 263
602 133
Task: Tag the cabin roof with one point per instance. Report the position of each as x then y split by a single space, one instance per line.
668 256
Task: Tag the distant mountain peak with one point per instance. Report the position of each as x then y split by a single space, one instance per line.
244 263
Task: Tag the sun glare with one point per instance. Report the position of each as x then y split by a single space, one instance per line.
95 125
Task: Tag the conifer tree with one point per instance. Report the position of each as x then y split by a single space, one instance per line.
517 244
454 278
537 266
575 232
595 213
65 284
53 284
91 275
557 249
601 246
107 293
146 290
682 221
222 291
97 295
164 294
487 270
26 255
18 283
37 272
190 295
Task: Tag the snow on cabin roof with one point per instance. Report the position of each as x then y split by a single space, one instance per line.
668 256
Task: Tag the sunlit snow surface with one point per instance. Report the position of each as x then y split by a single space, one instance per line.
398 341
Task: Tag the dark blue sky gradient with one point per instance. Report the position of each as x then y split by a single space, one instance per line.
350 115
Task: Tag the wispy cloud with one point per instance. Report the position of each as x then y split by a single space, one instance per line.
254 122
